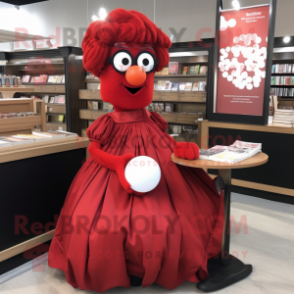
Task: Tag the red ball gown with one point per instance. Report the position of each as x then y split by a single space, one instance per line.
104 235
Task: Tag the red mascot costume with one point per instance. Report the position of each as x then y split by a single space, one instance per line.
109 235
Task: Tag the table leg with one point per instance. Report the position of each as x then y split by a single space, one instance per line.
225 270
226 176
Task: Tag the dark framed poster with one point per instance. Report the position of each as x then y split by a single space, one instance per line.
242 61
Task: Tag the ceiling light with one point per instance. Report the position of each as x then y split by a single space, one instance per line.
94 17
287 39
102 13
236 4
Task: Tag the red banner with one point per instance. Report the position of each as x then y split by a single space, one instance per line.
242 61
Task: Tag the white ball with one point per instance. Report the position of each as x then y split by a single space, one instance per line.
143 173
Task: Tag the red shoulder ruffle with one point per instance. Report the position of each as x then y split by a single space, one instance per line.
100 130
157 118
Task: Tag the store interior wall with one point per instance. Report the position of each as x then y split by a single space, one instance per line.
67 20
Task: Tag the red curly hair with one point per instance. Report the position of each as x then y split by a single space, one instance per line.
122 26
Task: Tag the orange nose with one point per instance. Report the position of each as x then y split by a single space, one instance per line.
135 75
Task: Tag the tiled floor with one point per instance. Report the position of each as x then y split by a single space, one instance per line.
268 246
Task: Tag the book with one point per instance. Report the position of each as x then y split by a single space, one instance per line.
233 154
173 67
185 70
175 86
90 104
95 105
164 71
195 87
54 80
61 118
26 79
169 107
36 138
61 99
201 86
203 69
16 141
160 85
188 87
50 79
59 80
63 79
159 107
192 69
182 86
5 143
107 106
167 86
155 86
50 134
46 98
51 99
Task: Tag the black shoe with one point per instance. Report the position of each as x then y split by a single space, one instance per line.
136 281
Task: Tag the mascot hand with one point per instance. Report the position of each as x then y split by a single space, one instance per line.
120 170
186 150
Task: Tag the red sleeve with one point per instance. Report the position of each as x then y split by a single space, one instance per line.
157 118
100 130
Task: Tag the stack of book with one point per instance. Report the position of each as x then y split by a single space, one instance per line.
282 92
283 68
282 80
235 153
42 79
183 86
284 118
19 139
177 68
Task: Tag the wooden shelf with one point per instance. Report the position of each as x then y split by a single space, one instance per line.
180 76
13 124
44 84
60 109
54 126
177 96
180 118
90 94
23 151
173 117
45 89
158 96
8 92
91 114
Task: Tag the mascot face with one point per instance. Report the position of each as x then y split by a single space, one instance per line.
127 81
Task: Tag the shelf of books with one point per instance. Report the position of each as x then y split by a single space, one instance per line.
21 115
53 76
179 96
282 94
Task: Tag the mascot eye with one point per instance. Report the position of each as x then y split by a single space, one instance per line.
122 61
146 61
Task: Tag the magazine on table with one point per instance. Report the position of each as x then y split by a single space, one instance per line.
235 153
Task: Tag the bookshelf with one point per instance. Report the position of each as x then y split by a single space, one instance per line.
60 61
188 106
23 124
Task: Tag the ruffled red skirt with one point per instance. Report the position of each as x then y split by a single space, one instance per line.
104 234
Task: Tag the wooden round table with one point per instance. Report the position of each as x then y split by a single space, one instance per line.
226 270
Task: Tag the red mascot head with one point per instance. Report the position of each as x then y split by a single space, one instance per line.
124 51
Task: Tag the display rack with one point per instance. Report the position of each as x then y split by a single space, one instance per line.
65 61
25 124
189 106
